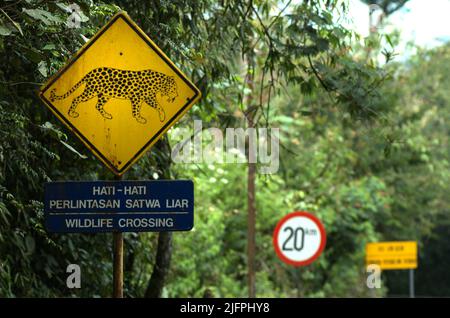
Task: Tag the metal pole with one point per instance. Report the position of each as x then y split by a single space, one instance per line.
297 278
411 283
118 265
118 261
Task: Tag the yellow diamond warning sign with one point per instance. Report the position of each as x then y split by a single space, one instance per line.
120 93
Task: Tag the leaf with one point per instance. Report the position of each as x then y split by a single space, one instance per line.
388 38
73 150
4 30
70 8
55 132
284 119
63 6
49 46
30 244
42 68
83 17
33 55
42 15
85 39
16 25
4 213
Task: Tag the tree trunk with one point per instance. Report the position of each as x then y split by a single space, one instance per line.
251 223
251 174
161 268
164 250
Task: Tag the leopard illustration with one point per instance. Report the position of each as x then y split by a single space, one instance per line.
137 86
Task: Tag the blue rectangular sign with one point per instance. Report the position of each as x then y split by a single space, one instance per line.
124 206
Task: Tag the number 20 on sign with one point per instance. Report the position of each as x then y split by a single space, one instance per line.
299 238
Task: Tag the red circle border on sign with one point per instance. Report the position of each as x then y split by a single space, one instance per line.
322 234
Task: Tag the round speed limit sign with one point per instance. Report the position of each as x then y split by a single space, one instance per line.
299 238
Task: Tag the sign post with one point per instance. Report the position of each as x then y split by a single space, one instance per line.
119 94
118 260
118 265
394 256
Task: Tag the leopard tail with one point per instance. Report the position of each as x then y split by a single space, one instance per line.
54 97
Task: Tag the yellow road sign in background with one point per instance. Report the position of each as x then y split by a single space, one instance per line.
120 93
392 255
